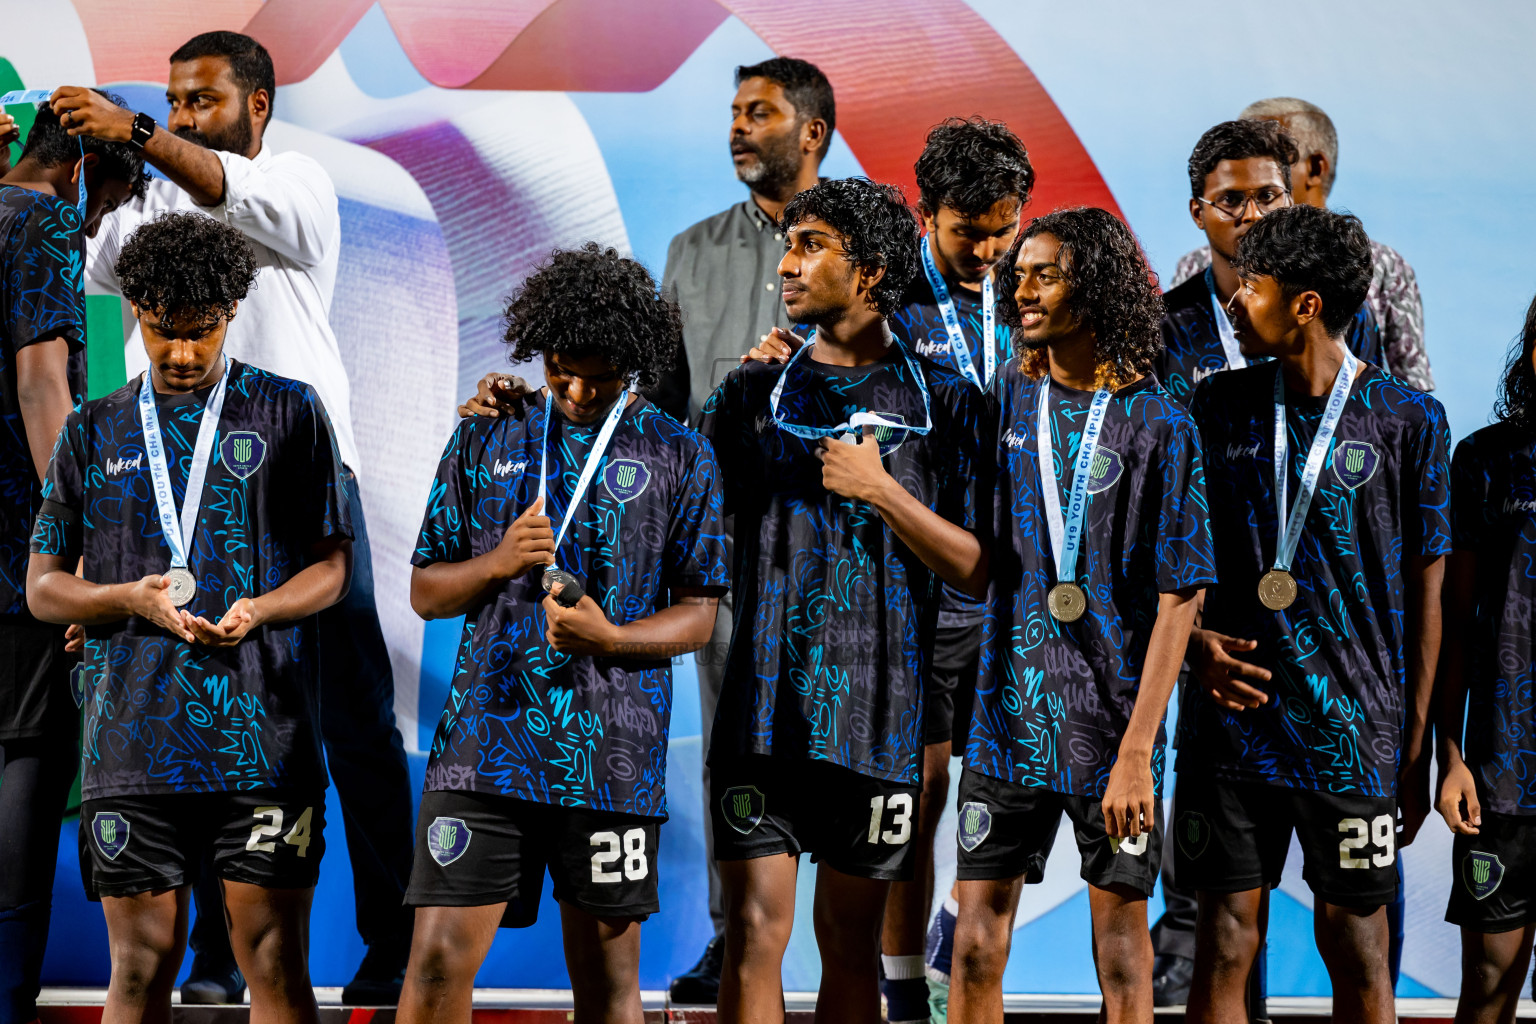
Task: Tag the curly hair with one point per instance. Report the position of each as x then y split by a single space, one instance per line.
592 302
1240 140
1307 249
1110 288
804 85
50 144
877 227
971 165
1517 391
183 263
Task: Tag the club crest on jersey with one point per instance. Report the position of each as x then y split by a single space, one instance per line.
1106 469
975 824
447 839
626 479
242 452
743 807
1482 873
1354 462
110 830
1194 833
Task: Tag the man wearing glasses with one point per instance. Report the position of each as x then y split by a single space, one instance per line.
1238 172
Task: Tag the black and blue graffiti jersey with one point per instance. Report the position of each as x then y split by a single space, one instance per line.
919 325
40 299
1053 699
1335 714
834 616
1192 344
162 715
523 720
1493 516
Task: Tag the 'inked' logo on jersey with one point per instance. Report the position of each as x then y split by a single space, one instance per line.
508 468
1199 373
447 839
1519 505
1106 469
1012 440
243 452
116 466
1354 462
1237 451
626 479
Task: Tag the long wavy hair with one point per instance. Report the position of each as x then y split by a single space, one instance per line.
1517 392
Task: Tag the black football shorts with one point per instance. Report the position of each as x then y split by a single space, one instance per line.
1494 888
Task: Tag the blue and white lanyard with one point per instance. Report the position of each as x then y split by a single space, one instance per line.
179 533
858 420
957 346
595 456
1229 345
38 96
1067 536
1289 527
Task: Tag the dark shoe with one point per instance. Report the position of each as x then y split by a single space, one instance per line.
1171 976
379 978
700 985
207 985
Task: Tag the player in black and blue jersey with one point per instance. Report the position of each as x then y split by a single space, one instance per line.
855 473
203 500
1487 793
1311 675
1102 549
551 750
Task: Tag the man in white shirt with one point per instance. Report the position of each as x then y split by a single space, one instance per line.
220 90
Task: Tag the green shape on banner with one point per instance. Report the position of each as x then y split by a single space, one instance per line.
24 113
105 368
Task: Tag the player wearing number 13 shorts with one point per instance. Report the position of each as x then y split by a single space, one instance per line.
202 504
1309 691
551 752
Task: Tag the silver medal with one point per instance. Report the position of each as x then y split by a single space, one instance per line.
181 586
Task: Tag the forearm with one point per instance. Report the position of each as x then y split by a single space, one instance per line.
446 590
1450 693
1424 632
44 404
952 551
310 590
195 169
1160 670
55 594
679 629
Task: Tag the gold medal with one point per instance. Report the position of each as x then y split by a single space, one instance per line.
1067 602
1277 590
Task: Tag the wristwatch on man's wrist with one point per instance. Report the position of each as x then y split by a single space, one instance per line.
143 128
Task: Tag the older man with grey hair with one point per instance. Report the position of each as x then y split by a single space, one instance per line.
1394 294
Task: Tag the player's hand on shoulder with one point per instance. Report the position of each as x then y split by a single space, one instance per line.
494 393
853 470
528 542
1458 803
149 600
1231 682
1129 798
232 627
580 631
777 346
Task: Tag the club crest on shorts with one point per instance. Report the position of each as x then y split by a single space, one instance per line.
447 839
110 831
626 479
1193 833
242 452
975 824
1106 469
1354 462
1482 873
80 682
743 807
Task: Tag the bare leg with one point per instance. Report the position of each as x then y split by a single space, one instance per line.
983 937
1227 936
759 914
447 948
906 911
1356 949
602 956
269 934
1122 952
849 911
1493 967
146 933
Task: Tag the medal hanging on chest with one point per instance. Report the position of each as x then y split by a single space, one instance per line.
571 590
1277 587
1067 601
179 532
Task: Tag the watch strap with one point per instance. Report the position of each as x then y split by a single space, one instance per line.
143 128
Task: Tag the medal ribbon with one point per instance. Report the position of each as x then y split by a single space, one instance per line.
594 456
38 96
1289 527
859 419
1065 536
179 533
957 346
1229 345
